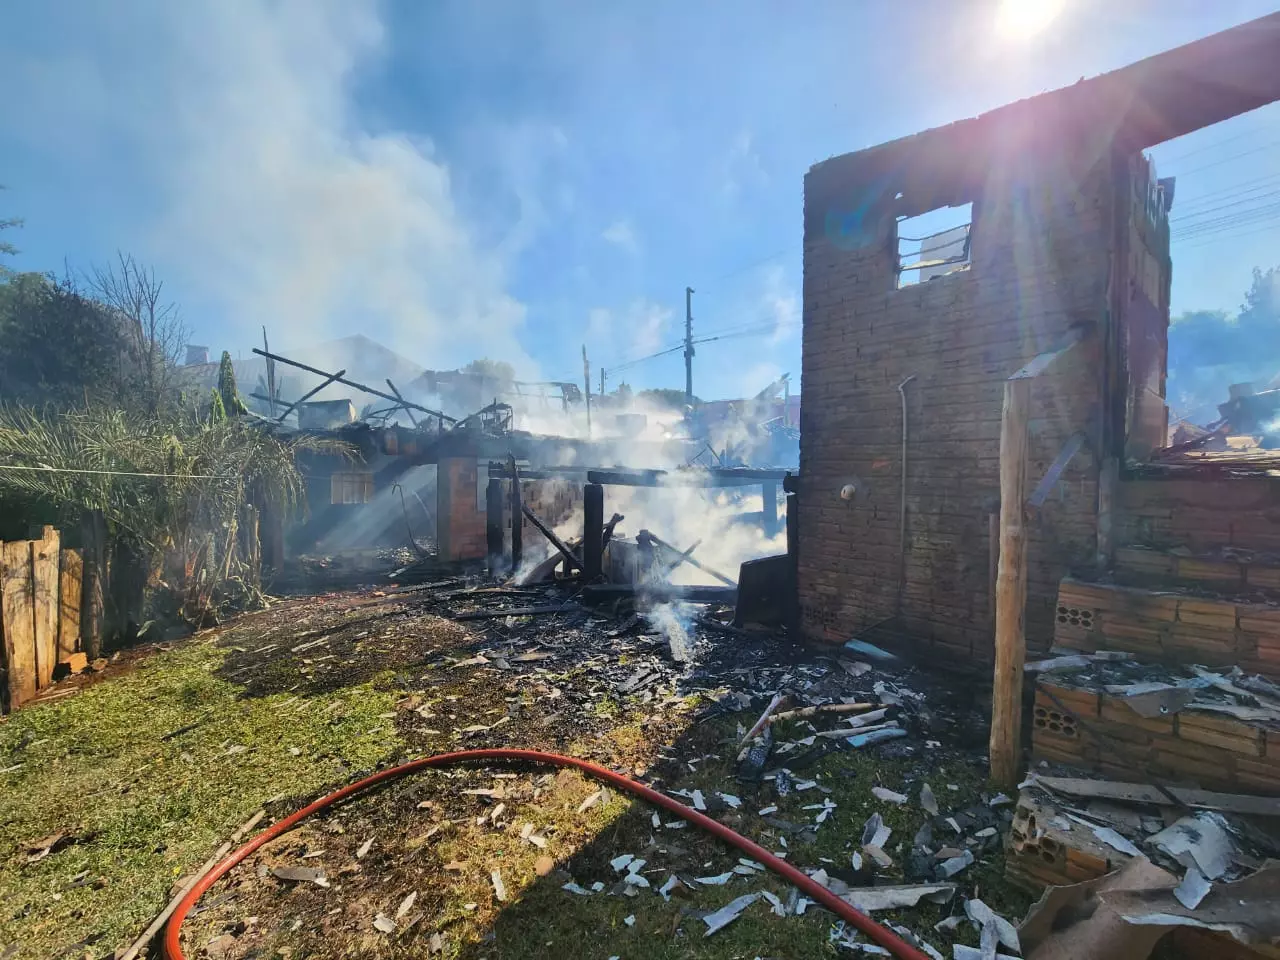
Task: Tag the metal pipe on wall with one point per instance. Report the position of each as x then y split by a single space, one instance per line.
902 511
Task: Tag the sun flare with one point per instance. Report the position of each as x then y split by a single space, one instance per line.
1023 19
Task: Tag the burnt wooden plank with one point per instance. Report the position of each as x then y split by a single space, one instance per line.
69 596
18 620
44 579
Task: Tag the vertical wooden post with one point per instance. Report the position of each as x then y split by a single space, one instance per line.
517 518
1011 587
769 498
44 582
69 604
592 532
493 535
18 621
94 537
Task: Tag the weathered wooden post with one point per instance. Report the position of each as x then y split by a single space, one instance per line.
1011 586
92 602
592 532
493 535
45 584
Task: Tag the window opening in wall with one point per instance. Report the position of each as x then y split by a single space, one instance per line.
933 244
351 487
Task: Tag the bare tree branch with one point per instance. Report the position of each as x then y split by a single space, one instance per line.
153 327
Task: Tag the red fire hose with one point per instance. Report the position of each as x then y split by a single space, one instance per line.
886 938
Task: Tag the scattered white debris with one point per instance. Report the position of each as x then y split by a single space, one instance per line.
728 913
855 858
948 924
1193 888
1108 836
888 796
927 800
999 800
676 824
804 784
765 811
950 867
574 888
911 938
384 924
779 909
874 832
591 801
406 905
878 855
499 888
951 822
699 802
301 875
667 887
1200 841
597 886
730 799
717 881
982 916
364 848
960 952
656 821
630 921
893 897
621 863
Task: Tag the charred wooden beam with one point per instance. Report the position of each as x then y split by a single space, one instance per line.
660 592
593 532
692 562
359 386
570 557
409 412
329 378
493 524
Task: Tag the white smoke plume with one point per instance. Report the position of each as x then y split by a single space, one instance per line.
268 194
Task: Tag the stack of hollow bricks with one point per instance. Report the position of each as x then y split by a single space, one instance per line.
1099 731
1174 627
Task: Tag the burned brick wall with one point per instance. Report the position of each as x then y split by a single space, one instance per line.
460 512
461 508
1040 260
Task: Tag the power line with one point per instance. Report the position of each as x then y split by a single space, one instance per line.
120 473
1234 156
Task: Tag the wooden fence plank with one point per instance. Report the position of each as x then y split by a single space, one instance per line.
16 596
44 576
69 604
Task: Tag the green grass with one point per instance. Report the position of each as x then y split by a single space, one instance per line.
146 810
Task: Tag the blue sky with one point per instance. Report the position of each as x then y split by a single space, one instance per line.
516 179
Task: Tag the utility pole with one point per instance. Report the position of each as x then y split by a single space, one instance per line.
602 375
586 380
688 345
